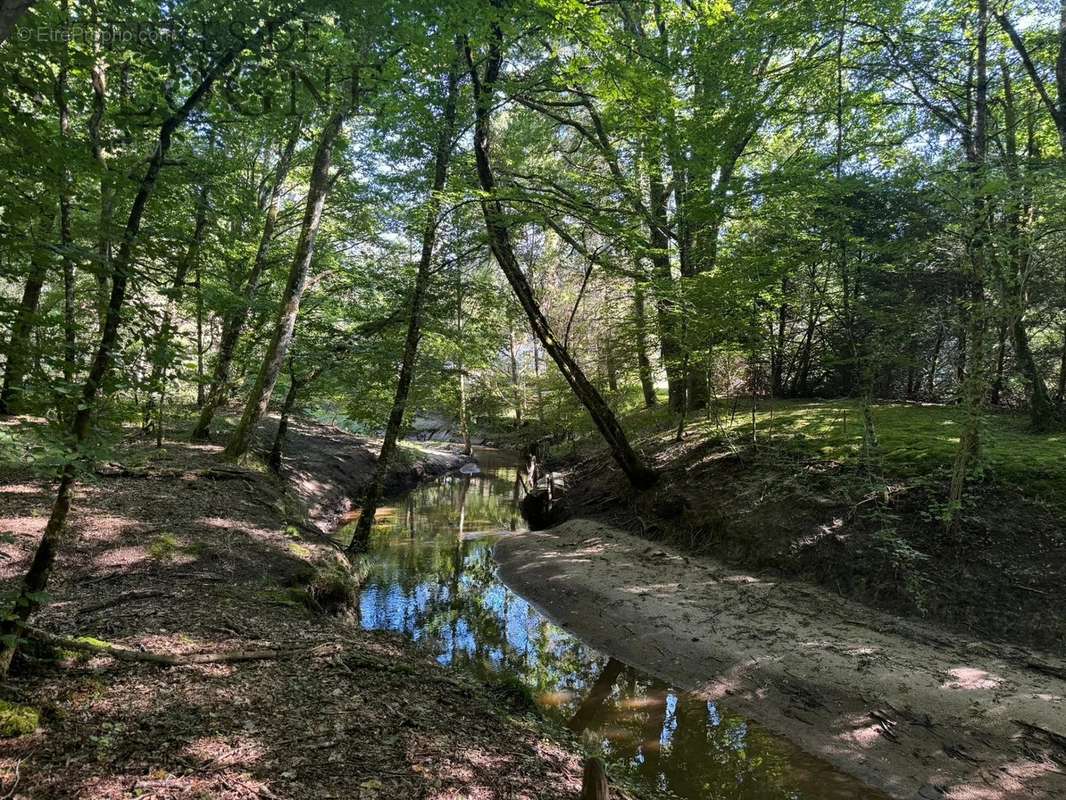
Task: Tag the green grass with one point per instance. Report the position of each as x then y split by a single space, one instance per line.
915 439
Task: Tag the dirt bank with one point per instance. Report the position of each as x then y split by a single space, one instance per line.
904 707
175 552
328 469
804 507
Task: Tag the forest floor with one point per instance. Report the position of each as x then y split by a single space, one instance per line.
173 551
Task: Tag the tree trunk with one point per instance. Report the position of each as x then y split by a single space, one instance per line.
198 285
1041 408
777 371
36 579
935 361
666 311
290 301
274 460
801 380
10 13
394 426
1001 358
162 354
500 242
594 780
647 382
66 238
19 342
233 324
102 270
464 421
1060 395
516 385
539 384
1013 283
974 383
611 365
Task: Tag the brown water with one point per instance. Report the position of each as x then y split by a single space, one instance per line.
432 578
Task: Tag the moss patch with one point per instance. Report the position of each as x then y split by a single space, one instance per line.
163 547
17 720
333 589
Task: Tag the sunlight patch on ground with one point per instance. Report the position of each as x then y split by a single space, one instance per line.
221 751
230 526
862 651
591 550
1011 780
729 683
128 556
970 678
862 732
20 488
745 579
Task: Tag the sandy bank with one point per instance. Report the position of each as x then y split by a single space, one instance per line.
904 707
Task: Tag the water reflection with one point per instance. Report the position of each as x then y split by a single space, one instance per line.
433 579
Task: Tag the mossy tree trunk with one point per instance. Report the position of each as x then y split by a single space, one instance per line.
285 322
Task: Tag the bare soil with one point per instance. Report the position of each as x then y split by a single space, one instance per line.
905 707
190 555
328 469
784 513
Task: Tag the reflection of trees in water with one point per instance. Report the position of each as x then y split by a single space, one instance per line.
590 708
440 588
679 741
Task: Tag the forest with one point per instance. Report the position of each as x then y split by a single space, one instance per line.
369 368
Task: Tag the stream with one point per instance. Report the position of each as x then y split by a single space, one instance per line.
433 579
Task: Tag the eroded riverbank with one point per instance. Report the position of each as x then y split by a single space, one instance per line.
910 709
431 576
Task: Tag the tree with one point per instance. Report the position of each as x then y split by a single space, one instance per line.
441 157
285 322
35 581
484 86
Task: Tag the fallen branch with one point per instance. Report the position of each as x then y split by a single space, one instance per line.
163 659
225 472
125 597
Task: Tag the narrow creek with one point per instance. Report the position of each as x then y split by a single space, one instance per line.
432 578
